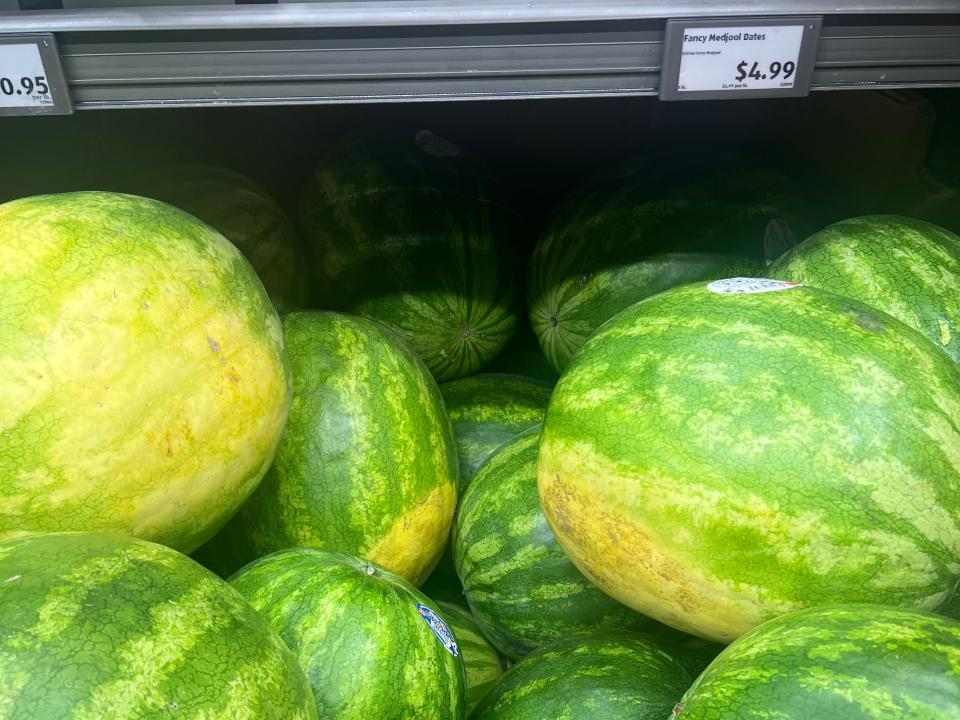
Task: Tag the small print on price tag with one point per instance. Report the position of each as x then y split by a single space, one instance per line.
742 58
31 79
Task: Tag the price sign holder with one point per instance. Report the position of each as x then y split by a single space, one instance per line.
702 57
24 58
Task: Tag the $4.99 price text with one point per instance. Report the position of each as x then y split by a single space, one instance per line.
775 70
24 86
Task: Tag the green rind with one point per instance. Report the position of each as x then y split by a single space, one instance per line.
106 627
717 460
357 632
608 676
480 660
523 590
142 369
415 250
853 662
248 217
907 268
488 410
367 464
619 240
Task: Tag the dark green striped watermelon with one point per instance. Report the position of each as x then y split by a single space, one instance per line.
606 676
487 411
143 377
372 646
714 459
845 662
247 216
367 463
907 268
403 237
96 626
481 662
622 238
521 587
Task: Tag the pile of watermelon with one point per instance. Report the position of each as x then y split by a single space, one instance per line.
255 467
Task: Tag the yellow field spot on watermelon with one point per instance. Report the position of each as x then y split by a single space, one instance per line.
627 563
401 550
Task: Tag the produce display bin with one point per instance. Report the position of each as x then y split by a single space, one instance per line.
334 385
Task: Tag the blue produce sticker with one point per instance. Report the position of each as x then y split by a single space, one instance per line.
440 629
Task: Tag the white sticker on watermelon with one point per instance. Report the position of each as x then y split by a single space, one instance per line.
748 286
440 629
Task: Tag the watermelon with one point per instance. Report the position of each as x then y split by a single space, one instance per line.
367 464
622 238
481 662
843 662
371 645
521 587
606 676
96 625
488 410
247 216
398 236
142 369
907 268
725 453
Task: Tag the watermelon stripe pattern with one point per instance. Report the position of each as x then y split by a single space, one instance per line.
359 634
423 256
715 460
631 234
367 464
481 662
247 216
604 676
852 662
521 587
566 310
101 626
907 268
142 370
489 409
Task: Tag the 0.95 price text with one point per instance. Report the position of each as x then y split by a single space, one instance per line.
775 70
36 85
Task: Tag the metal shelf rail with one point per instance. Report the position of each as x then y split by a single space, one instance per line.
119 53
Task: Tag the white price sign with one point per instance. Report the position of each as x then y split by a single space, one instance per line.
739 58
723 58
23 81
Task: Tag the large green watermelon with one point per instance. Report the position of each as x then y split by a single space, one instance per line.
605 676
105 626
845 662
521 587
627 236
488 410
908 268
404 237
142 370
480 660
715 459
247 216
372 646
367 464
